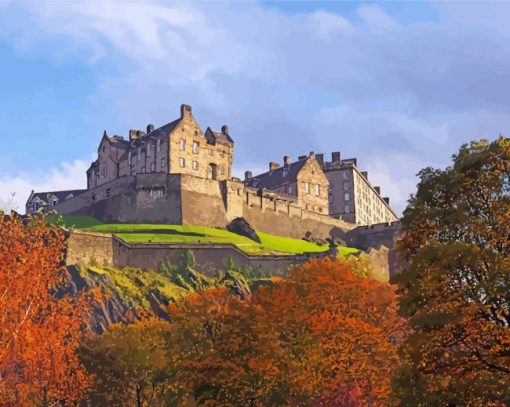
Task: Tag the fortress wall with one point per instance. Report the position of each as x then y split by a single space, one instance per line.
202 202
210 258
89 247
373 236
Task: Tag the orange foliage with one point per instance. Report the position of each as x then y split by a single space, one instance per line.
38 333
321 337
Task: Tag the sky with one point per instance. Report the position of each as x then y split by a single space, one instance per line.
399 85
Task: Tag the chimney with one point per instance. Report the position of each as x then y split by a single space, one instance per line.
301 157
312 154
273 166
387 200
378 190
286 160
133 134
365 174
185 111
248 175
150 128
335 156
224 130
320 159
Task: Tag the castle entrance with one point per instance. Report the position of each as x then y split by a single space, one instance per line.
212 171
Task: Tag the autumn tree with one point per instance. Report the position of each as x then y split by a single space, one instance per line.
38 332
321 337
129 364
340 333
456 290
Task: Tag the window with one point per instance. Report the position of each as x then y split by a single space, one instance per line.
108 190
148 149
139 153
54 201
153 167
347 208
307 187
158 145
346 175
104 149
182 162
142 170
163 164
182 144
194 165
195 147
129 158
289 189
347 185
318 190
347 196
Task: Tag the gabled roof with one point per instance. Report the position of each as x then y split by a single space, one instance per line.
160 131
275 178
218 135
60 195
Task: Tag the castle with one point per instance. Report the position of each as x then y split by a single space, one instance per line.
178 174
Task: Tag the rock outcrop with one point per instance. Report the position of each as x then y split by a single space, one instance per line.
241 227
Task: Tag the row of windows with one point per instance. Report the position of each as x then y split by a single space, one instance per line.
182 164
308 189
195 148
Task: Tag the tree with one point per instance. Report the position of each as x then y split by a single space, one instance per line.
129 363
39 333
456 290
340 333
321 337
218 351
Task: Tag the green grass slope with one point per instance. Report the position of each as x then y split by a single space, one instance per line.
160 233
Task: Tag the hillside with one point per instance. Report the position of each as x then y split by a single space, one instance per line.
127 293
161 233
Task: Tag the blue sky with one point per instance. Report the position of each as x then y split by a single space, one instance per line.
400 85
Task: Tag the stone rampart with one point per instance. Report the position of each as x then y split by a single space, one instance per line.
188 200
90 248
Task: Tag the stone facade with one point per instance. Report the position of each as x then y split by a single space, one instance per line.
177 174
352 197
179 147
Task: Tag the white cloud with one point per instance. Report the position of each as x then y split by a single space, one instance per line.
66 176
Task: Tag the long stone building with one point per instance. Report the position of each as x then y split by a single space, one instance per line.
179 174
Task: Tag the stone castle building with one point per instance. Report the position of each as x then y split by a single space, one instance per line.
179 174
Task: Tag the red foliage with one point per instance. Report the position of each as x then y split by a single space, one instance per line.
38 333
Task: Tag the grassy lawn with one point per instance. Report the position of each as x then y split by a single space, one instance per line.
76 221
157 233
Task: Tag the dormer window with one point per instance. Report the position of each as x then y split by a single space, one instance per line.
54 202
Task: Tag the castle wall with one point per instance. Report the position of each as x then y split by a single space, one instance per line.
202 202
89 248
189 200
210 258
104 249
